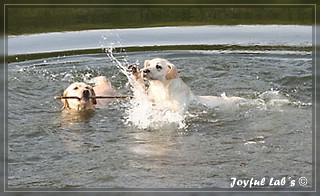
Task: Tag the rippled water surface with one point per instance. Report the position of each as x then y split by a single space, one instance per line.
272 137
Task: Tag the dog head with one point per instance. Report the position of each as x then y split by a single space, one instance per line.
159 69
84 93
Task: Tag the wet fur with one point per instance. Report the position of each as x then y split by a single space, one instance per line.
167 89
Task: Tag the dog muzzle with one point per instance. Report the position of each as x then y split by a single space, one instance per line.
86 95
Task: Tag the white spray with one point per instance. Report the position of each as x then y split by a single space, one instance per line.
141 112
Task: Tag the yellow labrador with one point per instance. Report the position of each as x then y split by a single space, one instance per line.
166 88
84 94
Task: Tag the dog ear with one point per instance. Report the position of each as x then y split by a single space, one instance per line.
146 63
65 101
172 73
94 101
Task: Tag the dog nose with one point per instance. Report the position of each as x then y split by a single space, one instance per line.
86 94
146 71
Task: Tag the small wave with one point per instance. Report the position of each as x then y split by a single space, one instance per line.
272 99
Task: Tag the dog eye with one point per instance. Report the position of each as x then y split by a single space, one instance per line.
75 88
87 87
158 67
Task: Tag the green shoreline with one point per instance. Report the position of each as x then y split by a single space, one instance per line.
25 57
42 19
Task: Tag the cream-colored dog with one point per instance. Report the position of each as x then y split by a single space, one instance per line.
84 94
165 85
167 89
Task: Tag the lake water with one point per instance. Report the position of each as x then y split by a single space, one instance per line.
268 137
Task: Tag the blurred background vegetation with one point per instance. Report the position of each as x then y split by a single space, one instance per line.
24 19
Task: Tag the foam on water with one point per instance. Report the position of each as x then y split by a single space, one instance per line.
144 115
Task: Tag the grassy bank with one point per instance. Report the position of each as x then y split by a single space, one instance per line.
38 19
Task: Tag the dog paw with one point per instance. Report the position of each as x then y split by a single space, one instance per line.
134 70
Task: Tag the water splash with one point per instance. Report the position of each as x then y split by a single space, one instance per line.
141 112
145 115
